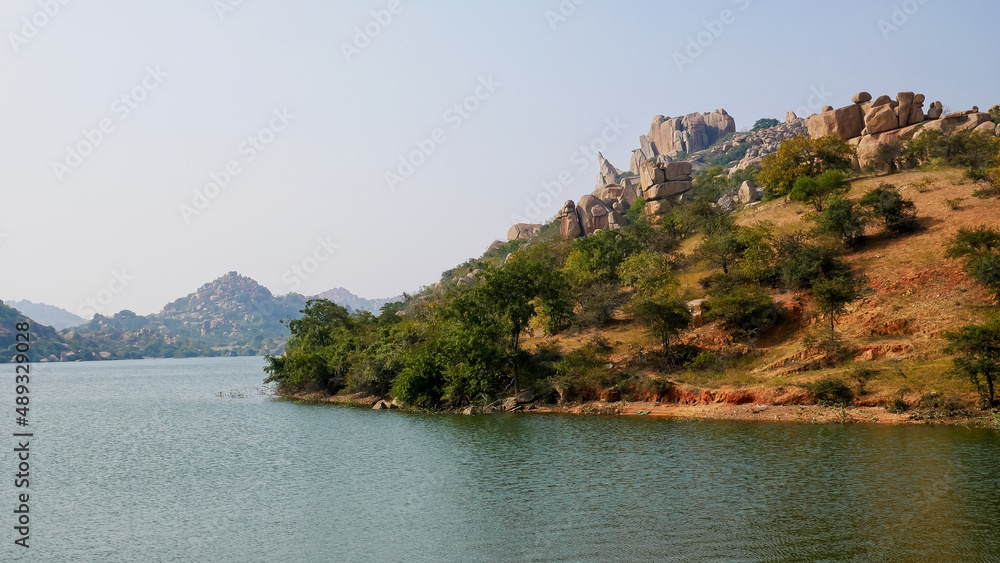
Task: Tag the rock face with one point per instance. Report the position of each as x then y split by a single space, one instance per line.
661 183
607 173
690 133
523 231
569 221
749 193
596 215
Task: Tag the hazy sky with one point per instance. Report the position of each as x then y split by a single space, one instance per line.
298 109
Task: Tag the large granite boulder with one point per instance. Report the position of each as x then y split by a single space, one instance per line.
569 221
846 122
596 215
690 133
523 231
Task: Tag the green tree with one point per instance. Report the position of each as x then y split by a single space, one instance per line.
977 350
722 246
802 262
764 123
648 273
833 295
817 191
746 309
885 204
980 247
843 218
801 156
664 317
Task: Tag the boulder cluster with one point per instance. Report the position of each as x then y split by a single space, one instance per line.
661 183
670 137
868 123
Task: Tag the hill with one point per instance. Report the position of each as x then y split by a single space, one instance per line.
352 302
49 315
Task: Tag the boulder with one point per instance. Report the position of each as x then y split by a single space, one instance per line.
523 231
697 309
905 100
607 173
790 117
675 171
657 207
881 118
595 215
691 133
919 99
988 128
749 193
651 174
569 221
934 112
826 109
383 406
882 101
846 122
496 244
524 397
861 97
668 189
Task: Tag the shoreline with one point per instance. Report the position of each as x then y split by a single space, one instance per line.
801 414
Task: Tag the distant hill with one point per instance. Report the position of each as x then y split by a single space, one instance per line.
44 342
352 302
48 314
230 316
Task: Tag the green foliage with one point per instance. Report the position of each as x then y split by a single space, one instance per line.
886 205
597 257
648 273
801 263
801 156
977 350
664 317
711 183
747 310
816 191
764 123
722 246
636 213
833 295
890 157
732 155
978 152
844 219
980 247
584 373
831 390
995 114
927 146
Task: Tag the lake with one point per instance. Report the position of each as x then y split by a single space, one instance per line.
186 460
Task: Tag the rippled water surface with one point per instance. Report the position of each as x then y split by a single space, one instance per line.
144 461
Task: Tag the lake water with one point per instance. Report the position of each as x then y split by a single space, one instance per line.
144 461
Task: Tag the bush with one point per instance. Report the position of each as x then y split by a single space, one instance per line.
816 191
747 310
980 247
886 205
897 406
801 262
766 123
890 157
831 390
844 219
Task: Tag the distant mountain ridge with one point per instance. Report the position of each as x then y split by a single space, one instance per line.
352 302
50 315
230 316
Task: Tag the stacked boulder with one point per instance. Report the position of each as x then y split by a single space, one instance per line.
663 182
607 173
690 133
866 124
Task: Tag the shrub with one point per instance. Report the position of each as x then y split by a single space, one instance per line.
835 294
980 247
886 205
890 157
747 310
977 350
897 406
767 123
816 191
843 218
831 390
663 317
800 262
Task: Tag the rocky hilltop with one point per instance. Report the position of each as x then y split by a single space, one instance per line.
49 315
661 169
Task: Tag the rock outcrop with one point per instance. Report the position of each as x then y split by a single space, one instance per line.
690 133
595 215
886 119
569 221
607 173
523 231
661 183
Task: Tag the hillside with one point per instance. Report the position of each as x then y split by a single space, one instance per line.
45 341
916 295
351 302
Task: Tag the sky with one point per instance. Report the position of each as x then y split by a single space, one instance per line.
150 146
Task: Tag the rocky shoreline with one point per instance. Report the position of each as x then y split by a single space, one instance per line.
792 413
